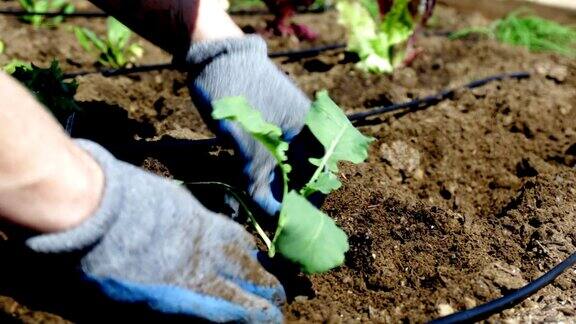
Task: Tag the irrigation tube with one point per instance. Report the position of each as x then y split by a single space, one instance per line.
486 310
296 54
426 102
20 13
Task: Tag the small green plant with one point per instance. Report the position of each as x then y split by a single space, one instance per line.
47 85
2 47
523 29
11 66
380 31
43 6
114 51
304 234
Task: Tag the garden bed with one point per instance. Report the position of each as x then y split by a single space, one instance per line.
457 204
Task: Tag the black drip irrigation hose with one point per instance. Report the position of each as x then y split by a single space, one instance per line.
425 102
310 52
498 305
123 71
86 14
295 54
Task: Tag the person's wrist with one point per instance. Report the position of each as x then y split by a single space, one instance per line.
84 188
57 200
213 23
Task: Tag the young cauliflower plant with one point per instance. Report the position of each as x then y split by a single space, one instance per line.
304 234
115 51
43 6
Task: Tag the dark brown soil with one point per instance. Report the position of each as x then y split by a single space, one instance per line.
457 205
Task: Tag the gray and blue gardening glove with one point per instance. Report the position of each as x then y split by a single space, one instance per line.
152 242
241 67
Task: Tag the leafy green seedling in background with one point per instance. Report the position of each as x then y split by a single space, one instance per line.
115 51
48 86
43 6
535 33
381 39
13 64
2 47
304 234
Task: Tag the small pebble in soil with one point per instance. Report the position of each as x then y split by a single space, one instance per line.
401 157
301 298
469 302
445 309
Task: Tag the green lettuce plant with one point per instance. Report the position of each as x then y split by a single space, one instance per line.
381 36
115 50
304 234
43 6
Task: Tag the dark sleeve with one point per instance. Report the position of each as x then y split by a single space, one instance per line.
166 23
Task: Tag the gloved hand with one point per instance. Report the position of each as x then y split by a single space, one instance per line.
152 242
241 67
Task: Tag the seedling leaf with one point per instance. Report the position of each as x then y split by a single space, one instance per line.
309 237
341 140
13 64
237 109
326 183
118 34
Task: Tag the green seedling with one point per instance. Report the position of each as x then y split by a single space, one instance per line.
304 234
380 32
47 85
115 51
2 47
534 33
43 6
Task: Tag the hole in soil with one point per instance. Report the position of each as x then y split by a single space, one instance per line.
249 29
446 194
350 57
525 169
524 129
89 123
359 257
316 65
571 150
177 85
433 282
295 283
535 222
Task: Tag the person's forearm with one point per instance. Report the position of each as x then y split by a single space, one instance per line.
173 24
46 182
